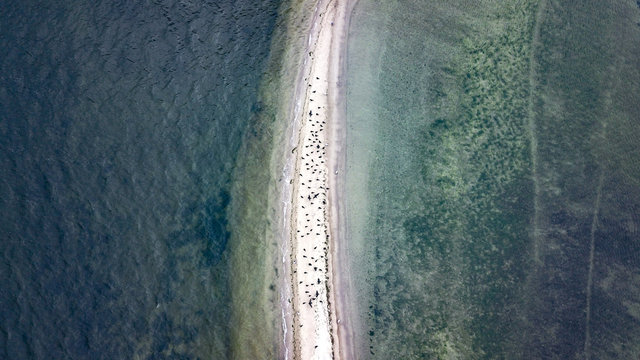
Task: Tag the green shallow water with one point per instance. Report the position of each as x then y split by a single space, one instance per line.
492 179
259 288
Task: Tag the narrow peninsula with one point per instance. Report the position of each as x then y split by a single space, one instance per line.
315 318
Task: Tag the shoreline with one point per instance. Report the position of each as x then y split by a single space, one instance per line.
344 321
313 260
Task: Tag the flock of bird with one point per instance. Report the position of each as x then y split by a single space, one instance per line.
312 189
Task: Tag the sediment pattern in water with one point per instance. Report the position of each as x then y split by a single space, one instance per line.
503 200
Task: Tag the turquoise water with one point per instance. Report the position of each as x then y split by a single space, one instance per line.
492 179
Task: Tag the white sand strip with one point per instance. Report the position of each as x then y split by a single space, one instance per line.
314 320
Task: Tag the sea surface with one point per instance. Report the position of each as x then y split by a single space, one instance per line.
493 179
125 229
492 183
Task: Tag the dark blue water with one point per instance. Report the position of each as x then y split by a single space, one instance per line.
119 126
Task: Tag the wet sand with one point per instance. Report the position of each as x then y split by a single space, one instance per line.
315 226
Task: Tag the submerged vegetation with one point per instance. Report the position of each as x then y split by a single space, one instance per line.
493 123
584 285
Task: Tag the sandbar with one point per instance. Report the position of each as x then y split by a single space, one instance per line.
315 228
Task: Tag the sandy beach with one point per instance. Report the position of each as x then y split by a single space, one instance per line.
314 224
